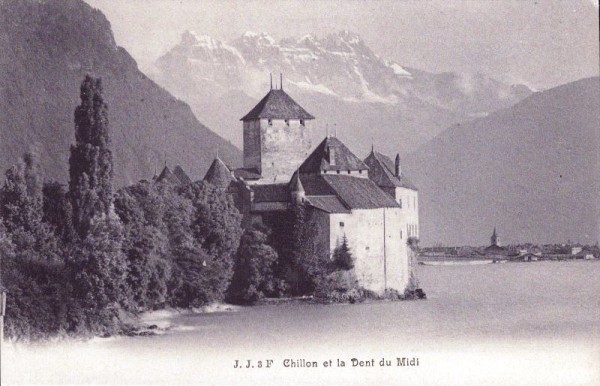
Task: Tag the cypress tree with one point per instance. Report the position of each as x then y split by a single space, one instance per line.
342 257
90 163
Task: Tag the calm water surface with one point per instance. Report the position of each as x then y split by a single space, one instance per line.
515 323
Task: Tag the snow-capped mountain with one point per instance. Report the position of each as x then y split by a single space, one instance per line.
338 78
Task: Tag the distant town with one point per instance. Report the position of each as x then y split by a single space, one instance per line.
522 252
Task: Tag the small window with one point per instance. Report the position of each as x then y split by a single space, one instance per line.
349 172
400 203
400 234
341 224
287 122
270 122
302 122
359 171
367 248
338 172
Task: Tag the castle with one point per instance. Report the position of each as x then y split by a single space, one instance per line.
369 202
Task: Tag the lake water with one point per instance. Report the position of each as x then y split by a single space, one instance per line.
515 323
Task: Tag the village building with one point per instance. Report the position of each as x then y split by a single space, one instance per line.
368 202
494 250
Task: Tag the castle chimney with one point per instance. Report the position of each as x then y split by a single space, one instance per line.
280 81
271 76
398 171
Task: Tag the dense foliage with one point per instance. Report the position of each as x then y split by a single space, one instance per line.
74 261
254 277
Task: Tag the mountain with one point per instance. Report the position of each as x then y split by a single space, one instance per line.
47 48
337 78
531 170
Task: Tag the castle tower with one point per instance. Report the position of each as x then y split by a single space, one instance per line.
276 137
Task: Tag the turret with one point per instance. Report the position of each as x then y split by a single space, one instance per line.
296 189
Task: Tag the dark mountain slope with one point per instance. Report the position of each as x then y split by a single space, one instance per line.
532 170
46 50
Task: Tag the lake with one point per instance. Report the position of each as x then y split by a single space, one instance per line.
515 323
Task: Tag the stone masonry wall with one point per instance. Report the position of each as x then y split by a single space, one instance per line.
283 149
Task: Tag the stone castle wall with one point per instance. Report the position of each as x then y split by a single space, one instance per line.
278 149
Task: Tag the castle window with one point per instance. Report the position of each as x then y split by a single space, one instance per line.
400 203
341 224
367 248
400 234
348 171
270 122
287 122
302 122
338 172
359 171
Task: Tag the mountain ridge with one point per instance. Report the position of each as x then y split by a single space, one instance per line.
337 78
531 169
49 48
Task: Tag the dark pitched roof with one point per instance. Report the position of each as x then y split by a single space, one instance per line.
359 193
182 175
329 204
271 192
247 174
277 105
314 185
322 158
219 174
167 176
381 171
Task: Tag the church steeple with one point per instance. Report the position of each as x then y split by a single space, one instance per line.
494 238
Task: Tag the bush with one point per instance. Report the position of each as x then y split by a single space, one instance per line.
253 276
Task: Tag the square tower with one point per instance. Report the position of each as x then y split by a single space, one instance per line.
277 134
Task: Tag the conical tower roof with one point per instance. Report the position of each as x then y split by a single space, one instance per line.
219 174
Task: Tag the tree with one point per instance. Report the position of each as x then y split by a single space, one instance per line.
21 198
216 227
342 258
58 211
311 263
99 271
253 276
90 163
141 209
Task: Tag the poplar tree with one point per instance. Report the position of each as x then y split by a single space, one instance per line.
90 163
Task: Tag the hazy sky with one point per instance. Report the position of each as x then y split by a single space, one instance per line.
540 43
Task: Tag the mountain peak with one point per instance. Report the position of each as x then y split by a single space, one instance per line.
260 38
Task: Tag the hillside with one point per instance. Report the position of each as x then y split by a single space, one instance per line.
531 170
337 78
47 49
